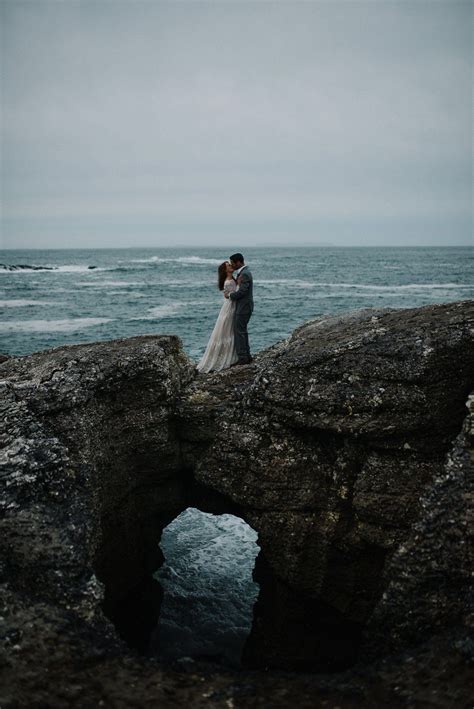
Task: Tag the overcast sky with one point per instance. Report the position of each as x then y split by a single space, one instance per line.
165 123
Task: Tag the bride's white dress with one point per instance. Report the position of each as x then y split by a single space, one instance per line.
220 351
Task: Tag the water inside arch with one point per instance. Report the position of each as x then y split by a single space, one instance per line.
208 588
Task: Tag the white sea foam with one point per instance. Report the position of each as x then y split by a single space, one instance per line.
108 284
73 268
128 294
187 260
23 303
181 284
205 282
67 325
159 312
169 310
294 282
50 268
198 259
408 286
365 286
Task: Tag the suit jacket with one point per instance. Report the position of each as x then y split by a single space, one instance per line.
244 295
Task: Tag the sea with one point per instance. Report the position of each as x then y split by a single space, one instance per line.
55 297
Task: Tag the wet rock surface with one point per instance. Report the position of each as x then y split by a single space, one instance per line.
348 448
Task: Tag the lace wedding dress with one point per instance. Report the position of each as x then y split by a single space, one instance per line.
220 351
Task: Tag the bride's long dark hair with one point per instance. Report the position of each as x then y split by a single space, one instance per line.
222 275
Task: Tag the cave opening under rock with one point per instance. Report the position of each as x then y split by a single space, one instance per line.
209 593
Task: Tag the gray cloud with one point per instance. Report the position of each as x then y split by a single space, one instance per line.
183 122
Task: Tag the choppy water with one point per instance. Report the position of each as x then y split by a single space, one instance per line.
136 291
207 576
209 591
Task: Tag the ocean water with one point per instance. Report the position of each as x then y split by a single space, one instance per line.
48 298
70 296
209 591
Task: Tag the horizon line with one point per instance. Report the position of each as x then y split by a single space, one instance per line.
246 246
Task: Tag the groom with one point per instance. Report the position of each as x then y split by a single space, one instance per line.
243 309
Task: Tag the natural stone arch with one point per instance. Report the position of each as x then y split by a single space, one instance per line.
133 600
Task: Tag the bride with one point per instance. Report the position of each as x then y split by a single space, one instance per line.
220 352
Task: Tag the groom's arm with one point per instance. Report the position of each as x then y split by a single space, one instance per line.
244 285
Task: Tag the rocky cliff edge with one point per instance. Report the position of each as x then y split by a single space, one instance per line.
347 447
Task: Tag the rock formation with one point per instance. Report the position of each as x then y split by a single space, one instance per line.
346 447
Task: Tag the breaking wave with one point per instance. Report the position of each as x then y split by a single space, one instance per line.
23 303
66 268
367 286
161 312
66 325
191 260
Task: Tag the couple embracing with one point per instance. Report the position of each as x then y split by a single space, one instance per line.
229 342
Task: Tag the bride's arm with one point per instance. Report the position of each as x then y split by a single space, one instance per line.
229 287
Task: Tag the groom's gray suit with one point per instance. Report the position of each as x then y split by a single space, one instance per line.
243 312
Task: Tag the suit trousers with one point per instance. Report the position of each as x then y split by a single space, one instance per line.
241 335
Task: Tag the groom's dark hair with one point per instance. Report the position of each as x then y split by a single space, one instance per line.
237 257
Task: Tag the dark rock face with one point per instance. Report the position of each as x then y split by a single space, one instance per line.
85 427
429 577
343 447
329 445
